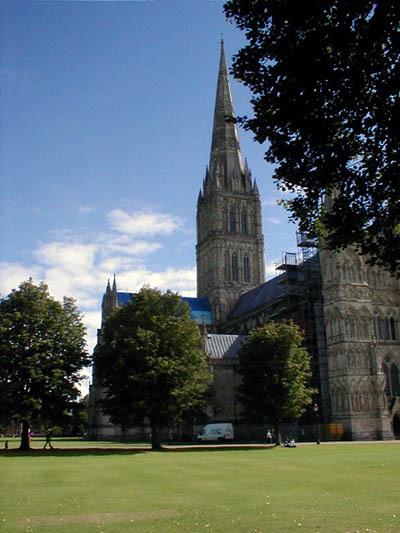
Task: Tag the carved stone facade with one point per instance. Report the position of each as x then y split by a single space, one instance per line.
361 309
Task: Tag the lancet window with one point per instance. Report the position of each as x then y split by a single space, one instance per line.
392 378
246 268
235 270
232 222
385 328
245 228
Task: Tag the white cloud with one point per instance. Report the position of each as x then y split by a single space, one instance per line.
69 256
81 285
118 263
144 222
270 269
13 274
274 220
133 247
92 321
93 318
178 280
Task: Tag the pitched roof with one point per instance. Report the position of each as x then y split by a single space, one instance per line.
223 346
261 295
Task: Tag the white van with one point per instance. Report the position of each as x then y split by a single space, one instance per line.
216 432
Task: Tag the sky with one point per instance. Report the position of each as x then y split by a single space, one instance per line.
105 133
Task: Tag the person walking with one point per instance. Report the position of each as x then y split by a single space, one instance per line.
48 439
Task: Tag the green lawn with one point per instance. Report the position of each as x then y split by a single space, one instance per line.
328 488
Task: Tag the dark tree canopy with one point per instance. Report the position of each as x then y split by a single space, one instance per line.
325 81
275 374
150 362
42 351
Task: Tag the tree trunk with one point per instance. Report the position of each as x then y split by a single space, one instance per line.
25 441
155 437
278 438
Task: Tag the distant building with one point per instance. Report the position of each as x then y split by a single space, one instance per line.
348 311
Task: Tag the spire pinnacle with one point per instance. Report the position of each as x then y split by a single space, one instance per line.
225 147
108 288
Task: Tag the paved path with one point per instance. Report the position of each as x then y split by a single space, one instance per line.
200 447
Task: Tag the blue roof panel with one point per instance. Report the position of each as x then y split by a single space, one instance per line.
202 317
197 304
200 309
124 297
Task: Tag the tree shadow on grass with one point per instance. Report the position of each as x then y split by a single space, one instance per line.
132 450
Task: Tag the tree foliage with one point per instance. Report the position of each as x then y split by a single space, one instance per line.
275 373
325 82
42 350
151 363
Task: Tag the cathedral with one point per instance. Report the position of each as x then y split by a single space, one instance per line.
349 311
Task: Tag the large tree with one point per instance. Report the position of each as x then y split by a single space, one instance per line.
150 362
275 374
324 75
42 351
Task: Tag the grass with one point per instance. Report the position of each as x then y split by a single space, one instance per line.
328 488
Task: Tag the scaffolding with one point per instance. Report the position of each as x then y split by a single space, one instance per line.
314 317
288 268
301 273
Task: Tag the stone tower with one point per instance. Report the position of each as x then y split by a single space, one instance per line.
230 243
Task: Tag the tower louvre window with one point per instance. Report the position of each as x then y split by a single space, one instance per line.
246 268
393 331
379 327
235 270
244 224
387 329
232 222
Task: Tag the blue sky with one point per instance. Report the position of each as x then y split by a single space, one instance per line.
106 121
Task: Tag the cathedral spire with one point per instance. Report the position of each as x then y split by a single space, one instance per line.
226 163
230 243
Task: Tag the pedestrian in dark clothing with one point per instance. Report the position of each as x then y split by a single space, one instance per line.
48 439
